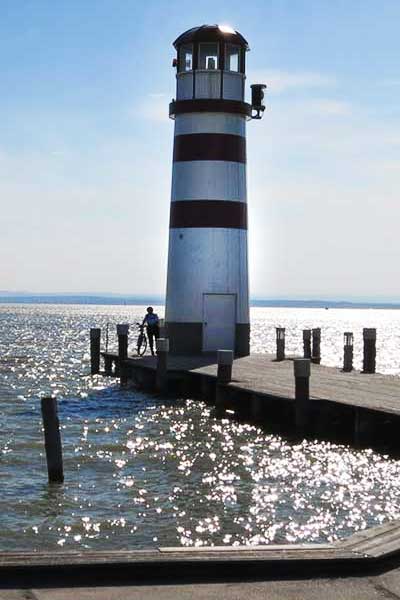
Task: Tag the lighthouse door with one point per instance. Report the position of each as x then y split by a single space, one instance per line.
219 318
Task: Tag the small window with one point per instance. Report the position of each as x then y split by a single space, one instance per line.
208 58
186 58
232 58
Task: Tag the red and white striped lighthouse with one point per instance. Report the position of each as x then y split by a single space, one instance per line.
207 305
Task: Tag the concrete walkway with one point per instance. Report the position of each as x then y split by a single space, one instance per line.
385 587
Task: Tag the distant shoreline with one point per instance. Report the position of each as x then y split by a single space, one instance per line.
118 300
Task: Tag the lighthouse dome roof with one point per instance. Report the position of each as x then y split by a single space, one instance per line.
211 33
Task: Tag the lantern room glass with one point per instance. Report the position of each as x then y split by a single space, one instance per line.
208 56
232 58
186 57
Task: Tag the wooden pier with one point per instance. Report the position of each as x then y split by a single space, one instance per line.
351 407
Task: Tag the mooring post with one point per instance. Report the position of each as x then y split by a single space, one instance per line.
162 328
95 336
108 361
122 333
369 362
307 343
316 346
225 362
348 352
162 347
280 343
52 440
224 376
302 393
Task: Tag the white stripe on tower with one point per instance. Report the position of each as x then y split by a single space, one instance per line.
208 180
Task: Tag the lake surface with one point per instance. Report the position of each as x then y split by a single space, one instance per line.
144 471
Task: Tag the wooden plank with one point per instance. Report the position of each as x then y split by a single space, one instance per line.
261 374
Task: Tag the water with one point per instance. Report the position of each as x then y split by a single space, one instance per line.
143 471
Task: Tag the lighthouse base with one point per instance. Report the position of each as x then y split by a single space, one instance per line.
187 338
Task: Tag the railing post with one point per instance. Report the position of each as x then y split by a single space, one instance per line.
369 361
95 336
307 343
52 440
224 376
162 347
316 346
280 343
302 393
122 333
348 352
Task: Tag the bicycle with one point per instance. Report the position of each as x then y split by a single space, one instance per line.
141 343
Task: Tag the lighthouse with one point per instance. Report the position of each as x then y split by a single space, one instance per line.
207 302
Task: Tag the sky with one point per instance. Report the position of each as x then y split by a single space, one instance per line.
86 144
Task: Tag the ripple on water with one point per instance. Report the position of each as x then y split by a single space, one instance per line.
142 471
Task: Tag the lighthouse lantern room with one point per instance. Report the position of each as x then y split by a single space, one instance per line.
207 305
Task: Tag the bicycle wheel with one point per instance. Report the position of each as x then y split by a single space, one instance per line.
141 344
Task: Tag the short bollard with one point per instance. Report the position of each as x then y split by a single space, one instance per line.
280 343
307 343
224 376
225 362
95 335
369 362
348 352
316 346
122 333
108 362
162 347
52 440
302 393
162 328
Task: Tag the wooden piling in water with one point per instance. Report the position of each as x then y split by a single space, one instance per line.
280 343
162 347
369 359
316 346
348 352
95 337
307 343
302 393
52 440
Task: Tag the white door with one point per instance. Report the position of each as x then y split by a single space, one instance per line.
219 319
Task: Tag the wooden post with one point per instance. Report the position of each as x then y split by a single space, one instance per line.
369 362
95 336
162 328
302 393
348 352
316 346
307 343
225 362
122 333
280 343
224 376
108 365
52 440
162 347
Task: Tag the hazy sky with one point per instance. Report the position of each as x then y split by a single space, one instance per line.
86 144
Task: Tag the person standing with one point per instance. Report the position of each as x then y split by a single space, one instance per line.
153 326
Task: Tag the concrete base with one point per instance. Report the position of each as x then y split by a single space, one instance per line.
187 338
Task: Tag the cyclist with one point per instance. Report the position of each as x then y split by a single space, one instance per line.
153 328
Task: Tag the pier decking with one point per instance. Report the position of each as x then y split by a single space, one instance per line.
262 374
350 407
